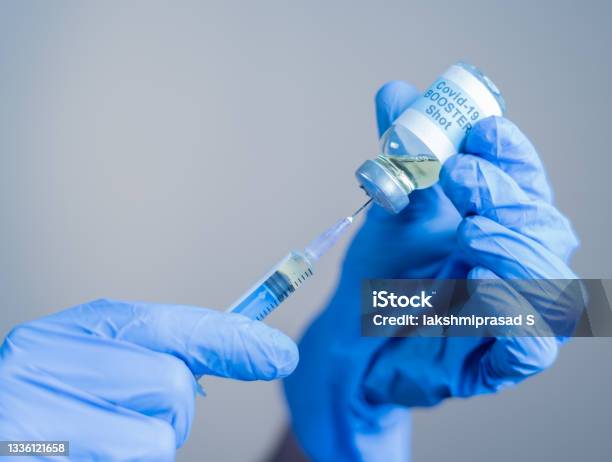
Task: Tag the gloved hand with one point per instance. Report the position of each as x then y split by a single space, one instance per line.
116 379
490 216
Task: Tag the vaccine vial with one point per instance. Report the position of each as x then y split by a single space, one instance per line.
431 130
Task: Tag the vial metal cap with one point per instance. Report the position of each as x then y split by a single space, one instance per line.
382 186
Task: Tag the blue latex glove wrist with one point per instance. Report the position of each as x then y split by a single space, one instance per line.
117 379
489 217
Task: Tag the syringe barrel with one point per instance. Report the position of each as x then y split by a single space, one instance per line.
275 287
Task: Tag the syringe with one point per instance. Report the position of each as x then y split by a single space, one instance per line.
287 275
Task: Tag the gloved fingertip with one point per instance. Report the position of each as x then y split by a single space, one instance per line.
495 137
471 230
259 352
456 172
392 99
447 168
482 138
514 359
284 356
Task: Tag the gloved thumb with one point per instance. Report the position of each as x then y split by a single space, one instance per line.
392 99
208 341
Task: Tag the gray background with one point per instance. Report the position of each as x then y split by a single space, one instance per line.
158 151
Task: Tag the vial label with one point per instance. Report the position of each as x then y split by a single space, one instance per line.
450 109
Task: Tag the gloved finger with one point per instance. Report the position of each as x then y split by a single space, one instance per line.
554 306
392 99
95 428
477 186
499 141
549 284
510 360
509 254
490 296
127 375
208 341
517 352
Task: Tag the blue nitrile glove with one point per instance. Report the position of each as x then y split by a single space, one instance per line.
116 379
345 393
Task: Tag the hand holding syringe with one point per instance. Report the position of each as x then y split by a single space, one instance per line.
289 273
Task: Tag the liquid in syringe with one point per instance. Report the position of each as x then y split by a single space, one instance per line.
290 273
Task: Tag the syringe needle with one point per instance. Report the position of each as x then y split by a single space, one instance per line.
361 208
325 241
